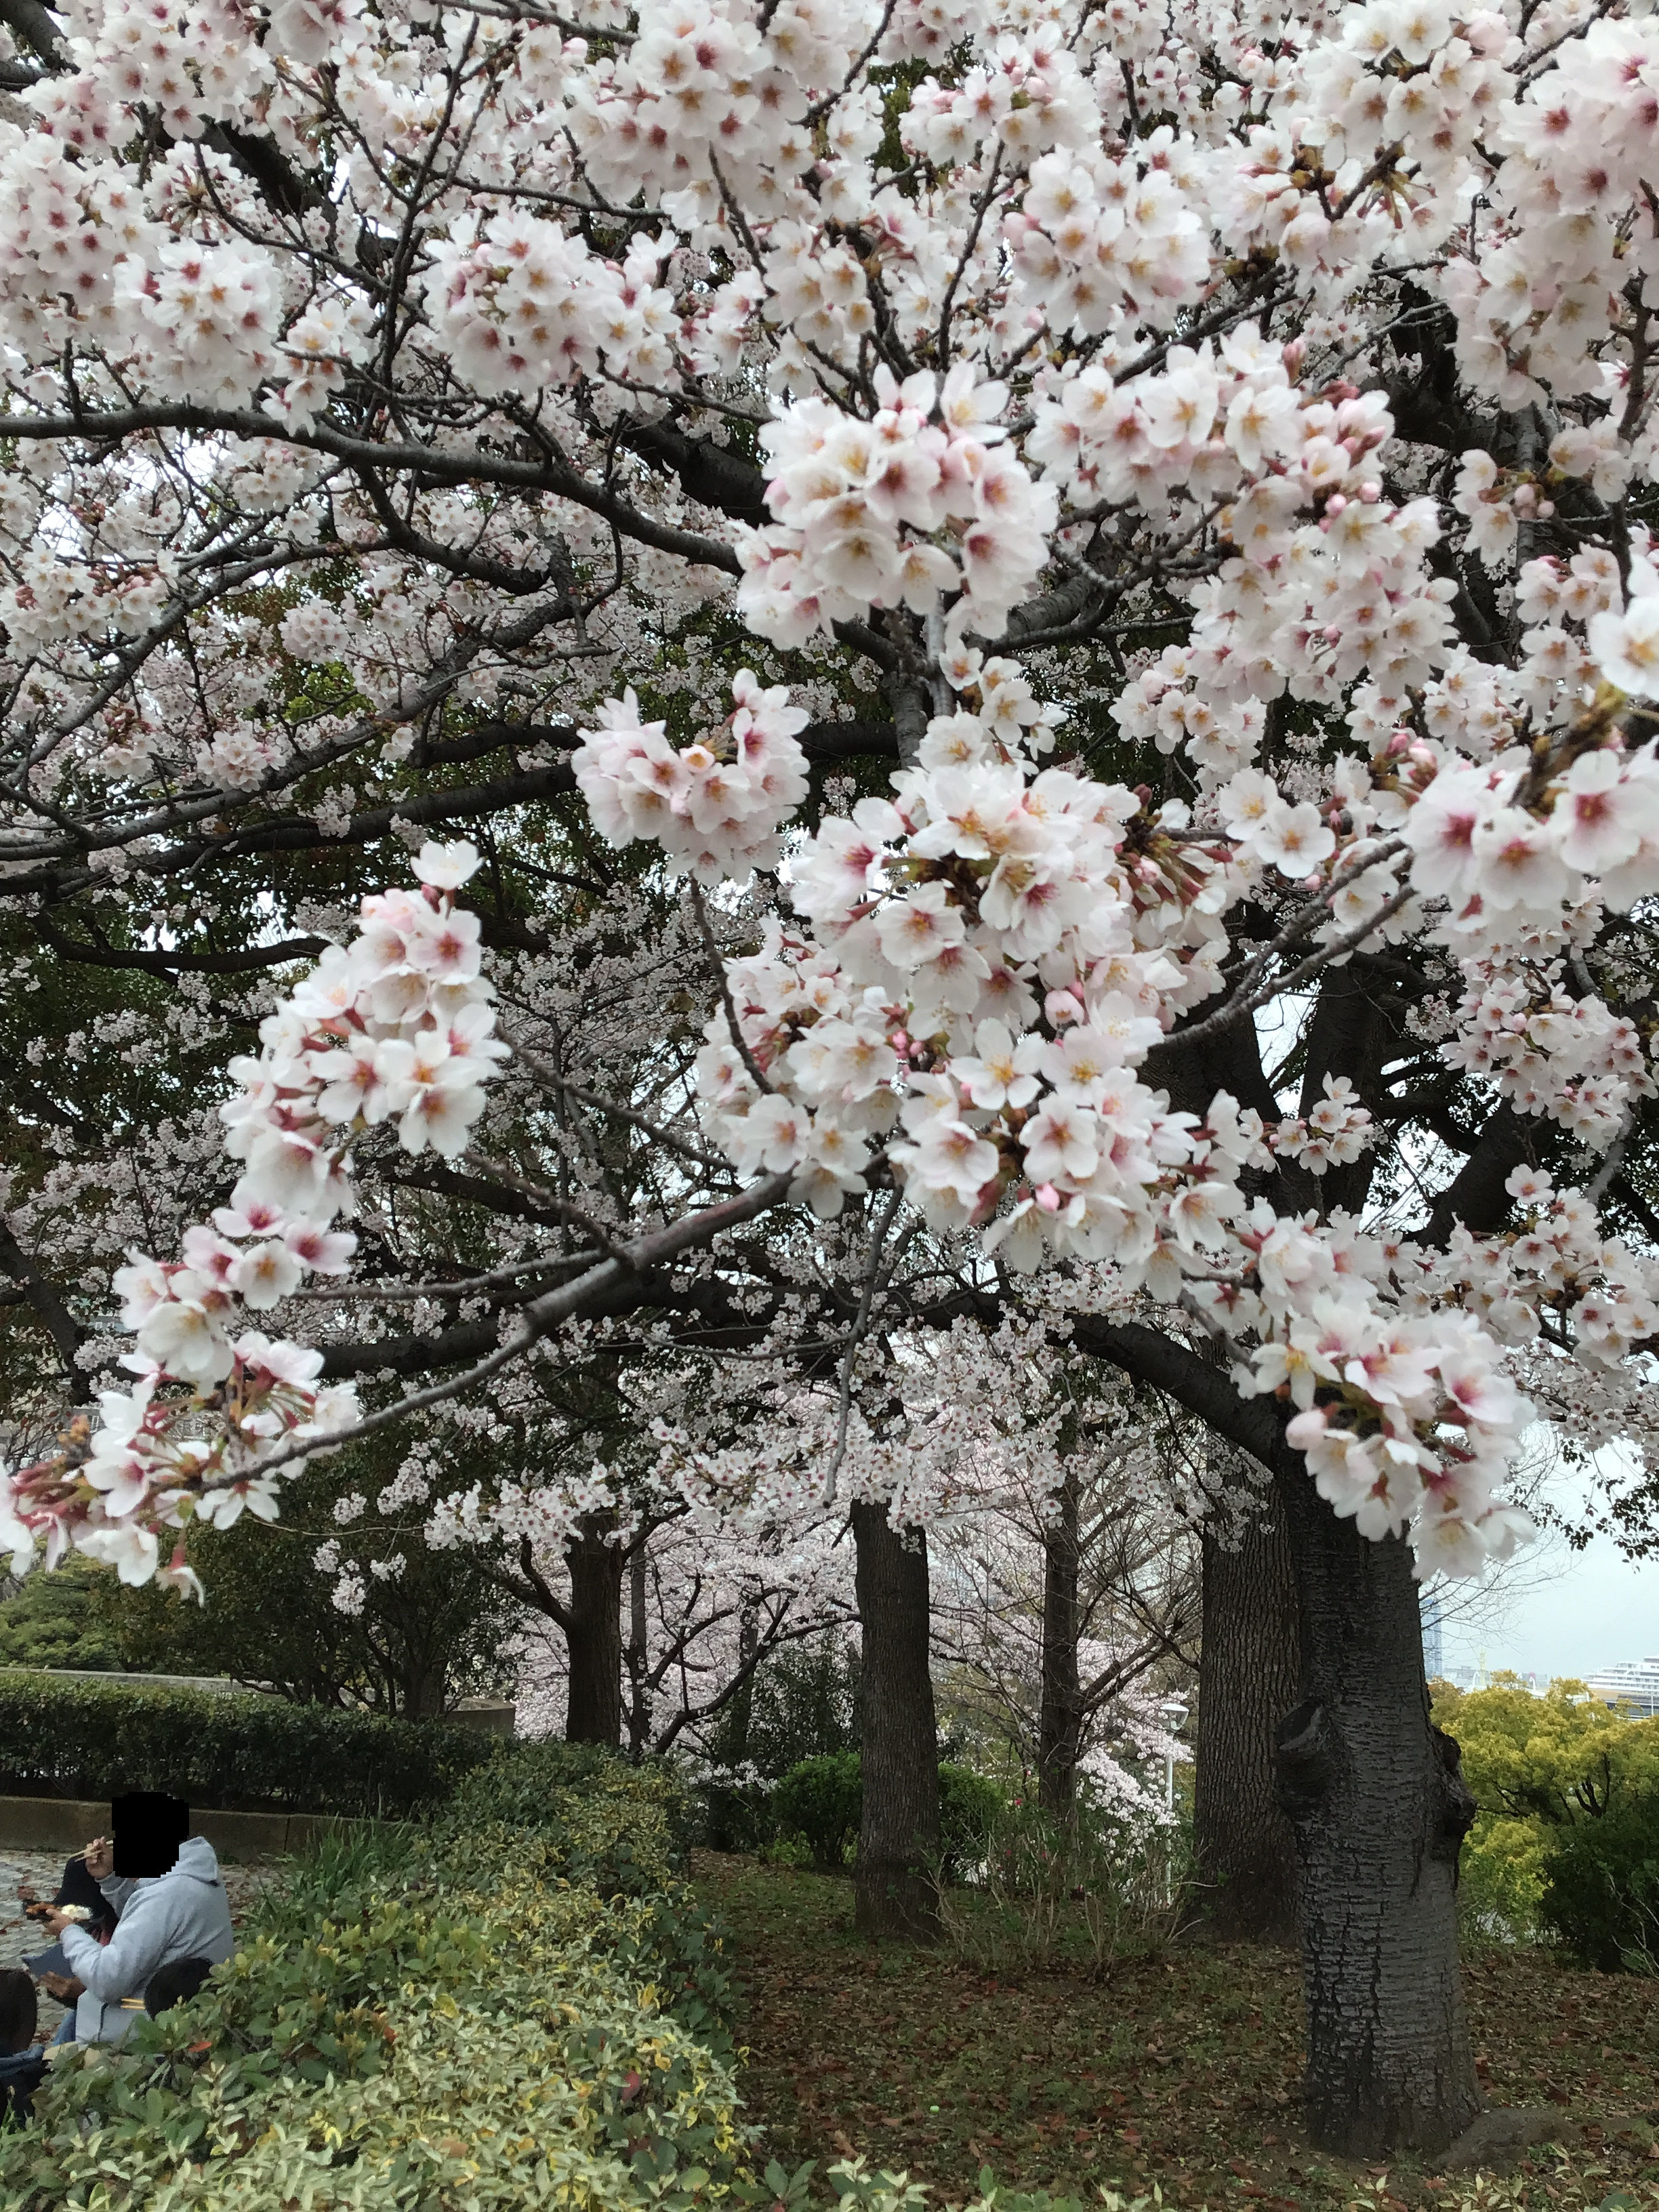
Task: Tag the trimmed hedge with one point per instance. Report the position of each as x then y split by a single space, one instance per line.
475 2014
246 1753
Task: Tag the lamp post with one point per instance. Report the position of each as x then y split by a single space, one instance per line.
1174 1716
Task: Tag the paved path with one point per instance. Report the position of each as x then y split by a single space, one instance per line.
42 1871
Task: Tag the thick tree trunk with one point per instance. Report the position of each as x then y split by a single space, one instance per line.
1059 1721
1249 1677
593 1712
1379 1810
899 1837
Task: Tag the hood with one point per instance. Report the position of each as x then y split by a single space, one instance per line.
198 1859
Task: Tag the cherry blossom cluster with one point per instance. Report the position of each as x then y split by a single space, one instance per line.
1317 341
715 806
924 499
395 1028
986 966
1409 1421
519 304
1549 1050
1332 1134
1508 852
1555 1272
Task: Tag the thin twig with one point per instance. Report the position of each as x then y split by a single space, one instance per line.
1249 995
463 1286
550 1079
719 965
1614 1160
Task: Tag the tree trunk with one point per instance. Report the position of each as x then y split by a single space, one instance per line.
1379 1809
593 1713
1249 1677
740 1714
898 1836
1060 1722
639 1651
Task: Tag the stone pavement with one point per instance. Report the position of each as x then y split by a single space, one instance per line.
43 1870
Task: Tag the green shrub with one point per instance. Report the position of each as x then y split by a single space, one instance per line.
1541 1769
244 1752
1106 1883
970 1806
462 2014
54 1620
821 1801
1600 1896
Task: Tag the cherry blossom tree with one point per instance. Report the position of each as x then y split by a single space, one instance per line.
1068 1577
1200 460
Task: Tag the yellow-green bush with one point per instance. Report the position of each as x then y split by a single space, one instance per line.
500 2012
1537 1765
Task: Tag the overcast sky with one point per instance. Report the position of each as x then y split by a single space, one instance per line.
1561 1612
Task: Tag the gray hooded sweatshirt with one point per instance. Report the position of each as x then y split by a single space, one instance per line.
183 1914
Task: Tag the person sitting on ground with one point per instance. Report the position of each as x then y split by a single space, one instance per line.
21 2064
176 1984
76 1888
164 1883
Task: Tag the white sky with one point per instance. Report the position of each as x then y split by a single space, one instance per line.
1560 1611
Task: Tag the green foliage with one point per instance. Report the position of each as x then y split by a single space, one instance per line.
55 1620
1084 1890
856 2189
62 1738
820 1804
1599 1894
1540 1769
821 1801
802 1703
435 1631
970 1807
465 2015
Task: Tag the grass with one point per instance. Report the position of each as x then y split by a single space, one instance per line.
1179 2071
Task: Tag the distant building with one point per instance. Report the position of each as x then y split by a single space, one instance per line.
1434 1642
1636 1682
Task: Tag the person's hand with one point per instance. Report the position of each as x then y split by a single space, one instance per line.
100 1855
64 1987
57 1921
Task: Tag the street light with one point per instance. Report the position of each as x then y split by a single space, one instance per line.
1175 1716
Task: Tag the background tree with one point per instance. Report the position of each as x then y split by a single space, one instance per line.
385 1621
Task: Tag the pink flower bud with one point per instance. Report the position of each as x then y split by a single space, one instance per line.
1048 1197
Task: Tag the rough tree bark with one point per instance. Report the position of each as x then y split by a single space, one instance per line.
1249 1677
1372 1790
895 1894
1380 1810
1059 1721
593 1629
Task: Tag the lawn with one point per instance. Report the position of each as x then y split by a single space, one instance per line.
1179 2071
